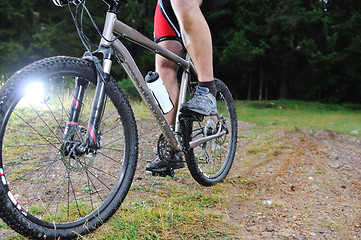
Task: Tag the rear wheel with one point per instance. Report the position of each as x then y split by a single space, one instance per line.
46 191
210 162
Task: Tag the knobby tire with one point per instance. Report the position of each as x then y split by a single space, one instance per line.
44 194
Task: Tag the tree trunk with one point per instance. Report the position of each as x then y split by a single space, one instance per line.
266 89
260 82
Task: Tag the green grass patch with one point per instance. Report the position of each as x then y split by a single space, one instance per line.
179 211
3 225
141 111
265 145
342 118
345 118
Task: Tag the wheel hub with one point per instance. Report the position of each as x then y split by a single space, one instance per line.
73 159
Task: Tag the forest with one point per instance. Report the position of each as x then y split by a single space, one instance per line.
263 49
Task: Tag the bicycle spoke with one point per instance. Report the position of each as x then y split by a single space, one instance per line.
27 132
116 140
31 145
41 135
75 199
109 116
110 158
55 118
51 201
36 192
29 173
99 178
95 189
41 118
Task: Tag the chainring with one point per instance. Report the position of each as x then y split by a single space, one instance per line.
163 148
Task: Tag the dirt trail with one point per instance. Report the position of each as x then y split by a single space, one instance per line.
308 189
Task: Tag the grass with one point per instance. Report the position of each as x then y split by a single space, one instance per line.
265 145
177 212
344 118
141 111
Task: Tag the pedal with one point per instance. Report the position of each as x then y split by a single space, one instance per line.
168 172
192 116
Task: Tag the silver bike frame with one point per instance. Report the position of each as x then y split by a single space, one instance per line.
112 24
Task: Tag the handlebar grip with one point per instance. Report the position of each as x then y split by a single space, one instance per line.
60 3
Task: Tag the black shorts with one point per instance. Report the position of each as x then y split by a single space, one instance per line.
166 26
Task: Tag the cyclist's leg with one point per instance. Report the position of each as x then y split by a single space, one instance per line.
168 36
198 42
196 36
168 72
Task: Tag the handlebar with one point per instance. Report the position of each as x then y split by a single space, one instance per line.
112 4
60 3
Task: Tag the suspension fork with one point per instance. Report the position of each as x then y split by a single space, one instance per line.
91 141
75 109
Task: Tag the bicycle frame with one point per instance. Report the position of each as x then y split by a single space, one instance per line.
110 41
112 24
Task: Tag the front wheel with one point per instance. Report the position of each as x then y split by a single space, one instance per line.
45 192
210 162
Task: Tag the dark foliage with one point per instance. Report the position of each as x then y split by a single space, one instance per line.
263 49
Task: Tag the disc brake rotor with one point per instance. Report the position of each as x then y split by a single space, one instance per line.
70 158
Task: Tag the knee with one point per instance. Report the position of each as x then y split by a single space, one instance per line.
164 64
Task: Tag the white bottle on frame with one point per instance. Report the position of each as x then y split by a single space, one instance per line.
160 93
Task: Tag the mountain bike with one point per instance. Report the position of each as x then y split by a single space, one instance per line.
69 141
